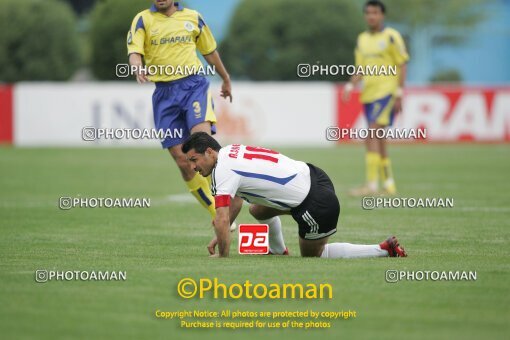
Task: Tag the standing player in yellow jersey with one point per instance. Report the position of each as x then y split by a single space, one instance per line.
381 94
168 36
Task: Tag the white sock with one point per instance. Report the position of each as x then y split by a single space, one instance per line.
350 251
389 182
373 185
276 243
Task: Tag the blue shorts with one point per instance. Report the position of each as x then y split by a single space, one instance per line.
381 111
180 105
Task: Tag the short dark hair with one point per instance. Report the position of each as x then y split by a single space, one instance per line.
200 141
375 3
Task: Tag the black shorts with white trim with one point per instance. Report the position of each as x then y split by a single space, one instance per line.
317 216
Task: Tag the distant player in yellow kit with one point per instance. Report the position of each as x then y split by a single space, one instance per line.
381 95
168 35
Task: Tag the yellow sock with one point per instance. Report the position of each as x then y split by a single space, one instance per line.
373 160
387 175
200 188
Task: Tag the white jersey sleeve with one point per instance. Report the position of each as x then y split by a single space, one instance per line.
260 176
224 181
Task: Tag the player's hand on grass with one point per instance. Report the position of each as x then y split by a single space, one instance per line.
211 247
226 90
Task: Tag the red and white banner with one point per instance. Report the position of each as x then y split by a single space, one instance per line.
447 114
287 114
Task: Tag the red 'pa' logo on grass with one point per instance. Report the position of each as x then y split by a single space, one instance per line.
254 239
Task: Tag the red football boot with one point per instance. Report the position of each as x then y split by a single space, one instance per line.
393 248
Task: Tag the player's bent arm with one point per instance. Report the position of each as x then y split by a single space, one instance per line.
356 78
215 60
222 229
401 79
399 92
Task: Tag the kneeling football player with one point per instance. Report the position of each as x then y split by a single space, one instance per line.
275 185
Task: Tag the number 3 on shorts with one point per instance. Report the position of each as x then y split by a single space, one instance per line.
197 109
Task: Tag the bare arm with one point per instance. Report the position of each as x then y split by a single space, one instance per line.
402 76
235 208
222 229
215 60
401 82
135 59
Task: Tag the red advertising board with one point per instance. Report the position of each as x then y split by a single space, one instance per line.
6 114
448 114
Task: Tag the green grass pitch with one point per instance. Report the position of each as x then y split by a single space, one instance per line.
166 242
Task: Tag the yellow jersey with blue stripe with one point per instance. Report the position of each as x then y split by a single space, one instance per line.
383 49
170 41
